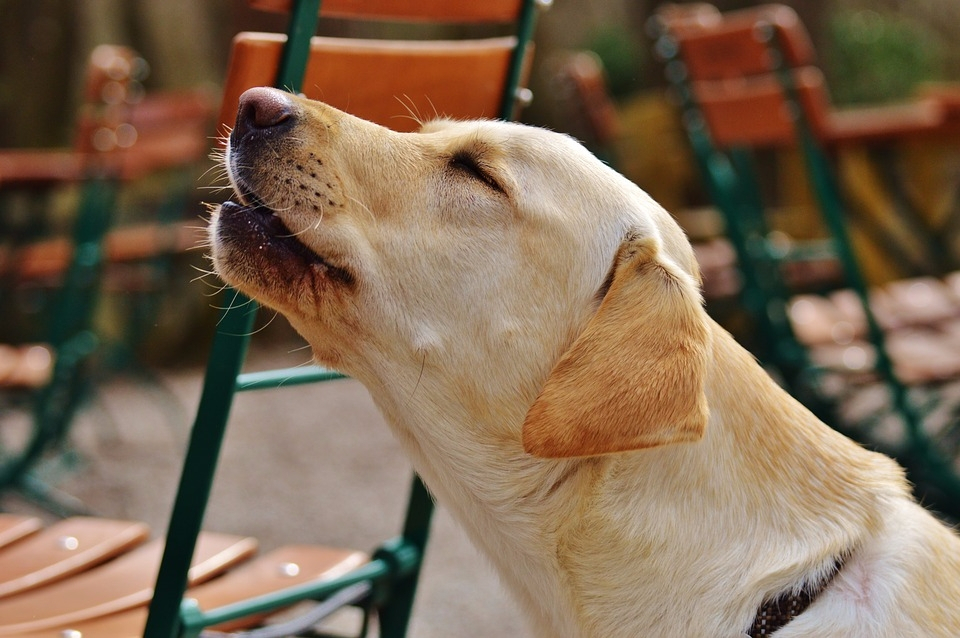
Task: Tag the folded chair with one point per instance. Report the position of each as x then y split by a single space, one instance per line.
747 87
122 136
380 81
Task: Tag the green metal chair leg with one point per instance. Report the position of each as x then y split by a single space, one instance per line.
226 358
395 613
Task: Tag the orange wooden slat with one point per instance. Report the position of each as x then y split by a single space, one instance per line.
25 366
14 527
128 243
281 568
123 583
753 110
432 10
39 167
738 45
422 78
64 549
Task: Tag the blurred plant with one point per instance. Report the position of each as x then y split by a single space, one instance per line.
623 58
878 57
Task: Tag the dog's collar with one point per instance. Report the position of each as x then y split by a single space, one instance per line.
777 612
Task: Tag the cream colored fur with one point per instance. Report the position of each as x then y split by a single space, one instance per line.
531 328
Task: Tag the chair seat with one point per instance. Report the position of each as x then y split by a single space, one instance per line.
918 356
51 257
39 167
14 527
25 366
276 570
63 549
920 318
120 584
885 123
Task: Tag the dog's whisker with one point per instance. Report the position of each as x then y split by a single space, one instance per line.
233 306
218 286
423 365
436 113
305 346
266 325
306 229
363 207
410 106
217 290
218 170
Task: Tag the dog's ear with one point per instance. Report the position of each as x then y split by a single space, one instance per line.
634 378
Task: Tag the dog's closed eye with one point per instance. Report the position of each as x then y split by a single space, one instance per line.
470 165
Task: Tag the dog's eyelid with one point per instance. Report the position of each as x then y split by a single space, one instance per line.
471 164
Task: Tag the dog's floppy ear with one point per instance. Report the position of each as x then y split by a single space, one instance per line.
634 378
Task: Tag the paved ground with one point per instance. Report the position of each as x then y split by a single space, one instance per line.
314 464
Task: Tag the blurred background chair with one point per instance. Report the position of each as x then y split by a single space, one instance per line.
123 137
876 363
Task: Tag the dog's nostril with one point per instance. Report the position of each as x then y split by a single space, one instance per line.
262 108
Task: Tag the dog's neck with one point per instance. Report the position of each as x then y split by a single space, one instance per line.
784 452
738 479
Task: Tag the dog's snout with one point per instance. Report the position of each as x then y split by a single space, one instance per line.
263 109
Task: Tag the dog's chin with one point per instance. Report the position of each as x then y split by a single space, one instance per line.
256 252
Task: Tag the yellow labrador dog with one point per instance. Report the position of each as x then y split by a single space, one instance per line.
530 324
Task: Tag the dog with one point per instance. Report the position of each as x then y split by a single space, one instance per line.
531 326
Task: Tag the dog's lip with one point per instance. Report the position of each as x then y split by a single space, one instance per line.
266 217
246 196
274 229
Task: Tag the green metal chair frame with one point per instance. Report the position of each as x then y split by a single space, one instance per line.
731 178
392 573
100 169
71 340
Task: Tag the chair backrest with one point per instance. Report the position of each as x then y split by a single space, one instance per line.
124 132
734 66
422 79
745 82
122 135
491 11
398 78
384 81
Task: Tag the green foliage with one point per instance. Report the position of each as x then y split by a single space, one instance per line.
878 57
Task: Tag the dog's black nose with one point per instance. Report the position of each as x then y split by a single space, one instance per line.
262 109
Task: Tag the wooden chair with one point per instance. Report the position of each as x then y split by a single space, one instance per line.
747 84
81 569
461 79
122 136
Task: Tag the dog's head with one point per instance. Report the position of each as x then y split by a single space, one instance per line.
499 264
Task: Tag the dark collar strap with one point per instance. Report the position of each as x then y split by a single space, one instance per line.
777 612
